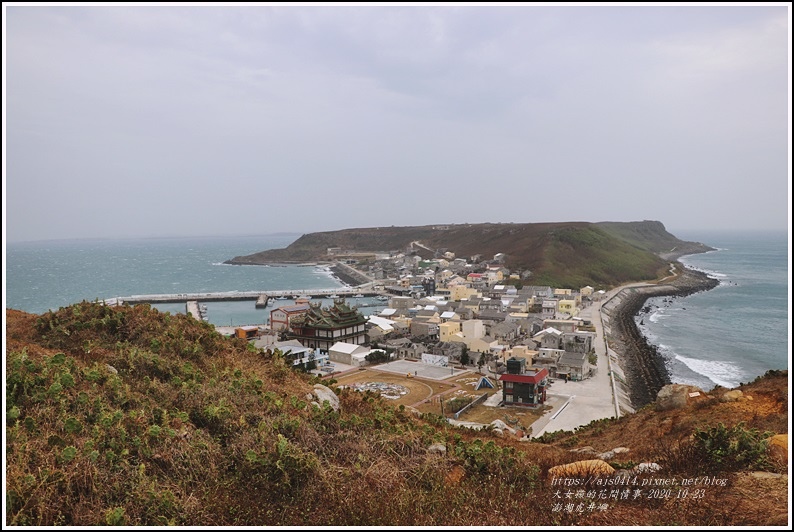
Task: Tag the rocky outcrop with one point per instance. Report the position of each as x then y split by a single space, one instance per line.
731 396
437 448
673 396
606 455
647 467
324 393
777 448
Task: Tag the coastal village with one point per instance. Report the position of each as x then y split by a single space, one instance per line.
521 364
497 340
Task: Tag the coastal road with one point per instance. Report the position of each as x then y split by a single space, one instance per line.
578 403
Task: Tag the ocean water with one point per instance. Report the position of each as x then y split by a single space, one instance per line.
725 336
42 276
736 331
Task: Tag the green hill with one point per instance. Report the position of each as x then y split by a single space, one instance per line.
572 254
651 236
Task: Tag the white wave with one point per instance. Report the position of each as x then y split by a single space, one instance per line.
326 272
649 336
227 264
656 316
709 273
718 371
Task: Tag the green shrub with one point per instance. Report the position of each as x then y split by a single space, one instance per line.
731 449
456 404
115 517
488 460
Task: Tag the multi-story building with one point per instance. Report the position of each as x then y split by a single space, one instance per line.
521 387
321 328
280 317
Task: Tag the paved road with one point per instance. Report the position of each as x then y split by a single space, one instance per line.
579 403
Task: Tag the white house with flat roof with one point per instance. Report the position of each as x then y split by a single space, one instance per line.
385 325
350 354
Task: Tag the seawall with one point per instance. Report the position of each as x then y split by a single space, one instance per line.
644 367
348 275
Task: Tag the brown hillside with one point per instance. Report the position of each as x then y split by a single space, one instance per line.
130 417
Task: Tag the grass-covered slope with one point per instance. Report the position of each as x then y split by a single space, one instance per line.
314 246
126 416
571 255
576 257
651 236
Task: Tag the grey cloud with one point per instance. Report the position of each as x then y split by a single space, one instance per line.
391 115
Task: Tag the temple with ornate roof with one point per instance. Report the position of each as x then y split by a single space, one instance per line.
320 328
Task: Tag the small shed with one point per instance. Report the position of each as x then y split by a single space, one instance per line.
246 331
484 383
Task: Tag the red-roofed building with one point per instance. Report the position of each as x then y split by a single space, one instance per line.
520 387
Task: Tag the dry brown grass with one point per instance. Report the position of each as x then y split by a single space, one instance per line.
196 430
514 416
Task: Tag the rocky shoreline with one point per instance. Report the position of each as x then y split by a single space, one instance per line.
342 276
644 367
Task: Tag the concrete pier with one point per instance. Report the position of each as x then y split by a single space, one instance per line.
196 310
192 308
261 301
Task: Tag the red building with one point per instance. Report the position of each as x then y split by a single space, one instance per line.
520 387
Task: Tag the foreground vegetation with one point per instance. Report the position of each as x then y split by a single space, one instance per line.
127 416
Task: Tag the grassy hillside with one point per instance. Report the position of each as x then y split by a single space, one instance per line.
126 416
650 236
571 255
313 246
576 257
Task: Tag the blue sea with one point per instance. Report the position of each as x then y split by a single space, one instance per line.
737 331
47 275
724 336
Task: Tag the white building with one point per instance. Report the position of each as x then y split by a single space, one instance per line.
350 354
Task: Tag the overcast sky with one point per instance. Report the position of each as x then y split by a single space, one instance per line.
212 120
